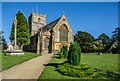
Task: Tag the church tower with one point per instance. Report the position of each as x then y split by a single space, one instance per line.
36 21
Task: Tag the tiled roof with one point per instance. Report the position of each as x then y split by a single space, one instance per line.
50 25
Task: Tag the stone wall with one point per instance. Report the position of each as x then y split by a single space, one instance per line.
36 21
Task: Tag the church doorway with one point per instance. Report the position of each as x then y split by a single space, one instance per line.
46 45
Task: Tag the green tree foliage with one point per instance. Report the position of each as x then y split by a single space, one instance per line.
3 43
74 54
100 45
97 46
116 38
23 35
105 39
84 39
12 33
116 34
1 32
94 48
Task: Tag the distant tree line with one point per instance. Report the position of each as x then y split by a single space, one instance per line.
102 44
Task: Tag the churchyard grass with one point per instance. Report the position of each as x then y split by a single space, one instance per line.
10 61
50 70
0 61
103 62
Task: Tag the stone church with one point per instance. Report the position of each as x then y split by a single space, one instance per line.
49 38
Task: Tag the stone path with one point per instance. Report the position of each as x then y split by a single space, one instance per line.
28 70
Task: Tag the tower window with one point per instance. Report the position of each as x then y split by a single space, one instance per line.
39 19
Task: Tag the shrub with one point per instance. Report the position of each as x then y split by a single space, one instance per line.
64 51
62 56
61 50
105 74
72 72
74 54
75 70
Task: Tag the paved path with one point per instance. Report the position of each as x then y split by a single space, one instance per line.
28 70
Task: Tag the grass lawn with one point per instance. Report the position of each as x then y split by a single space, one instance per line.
10 61
50 70
102 62
0 61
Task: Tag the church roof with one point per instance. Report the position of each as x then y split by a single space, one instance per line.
50 25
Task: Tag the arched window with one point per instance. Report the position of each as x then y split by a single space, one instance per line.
46 43
39 19
63 33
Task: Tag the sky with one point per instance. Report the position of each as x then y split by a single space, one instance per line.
59 0
92 17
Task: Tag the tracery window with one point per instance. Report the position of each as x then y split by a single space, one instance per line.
63 33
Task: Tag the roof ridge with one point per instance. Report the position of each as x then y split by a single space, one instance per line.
51 24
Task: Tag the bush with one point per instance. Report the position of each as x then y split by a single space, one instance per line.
82 70
105 74
74 54
64 51
61 50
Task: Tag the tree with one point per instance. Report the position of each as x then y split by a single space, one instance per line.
23 35
3 43
105 41
84 39
116 38
1 32
74 54
94 48
100 45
